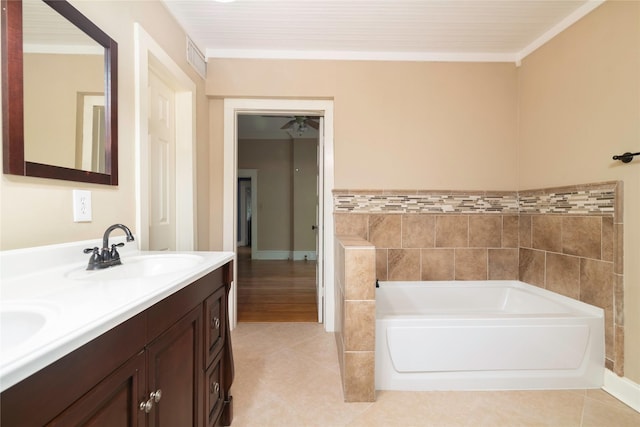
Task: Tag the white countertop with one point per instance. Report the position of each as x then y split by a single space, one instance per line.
79 306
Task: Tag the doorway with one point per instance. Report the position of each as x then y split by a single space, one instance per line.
232 109
276 274
150 58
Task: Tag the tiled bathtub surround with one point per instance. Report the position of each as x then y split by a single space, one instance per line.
438 247
566 239
579 252
355 317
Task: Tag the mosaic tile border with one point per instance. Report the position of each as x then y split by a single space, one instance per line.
590 199
425 203
579 202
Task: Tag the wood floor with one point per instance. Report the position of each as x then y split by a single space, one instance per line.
276 291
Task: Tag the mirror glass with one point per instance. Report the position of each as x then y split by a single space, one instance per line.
64 111
59 97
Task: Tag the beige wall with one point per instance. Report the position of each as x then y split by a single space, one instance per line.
37 211
440 118
51 110
305 199
396 124
579 105
287 171
272 159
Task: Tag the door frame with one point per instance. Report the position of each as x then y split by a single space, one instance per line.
252 174
232 108
149 54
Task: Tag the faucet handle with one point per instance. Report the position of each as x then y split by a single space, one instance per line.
95 260
115 256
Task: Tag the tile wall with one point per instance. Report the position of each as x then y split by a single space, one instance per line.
566 239
355 317
435 235
571 243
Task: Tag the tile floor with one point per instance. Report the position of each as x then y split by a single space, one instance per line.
287 374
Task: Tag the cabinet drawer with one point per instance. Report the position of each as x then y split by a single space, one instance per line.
214 400
215 316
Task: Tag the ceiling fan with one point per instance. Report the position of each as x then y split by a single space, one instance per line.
300 122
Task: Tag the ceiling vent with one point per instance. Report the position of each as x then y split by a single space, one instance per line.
196 58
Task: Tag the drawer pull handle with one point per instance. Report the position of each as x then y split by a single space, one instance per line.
215 323
154 396
146 406
214 387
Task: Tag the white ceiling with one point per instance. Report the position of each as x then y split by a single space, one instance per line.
415 30
441 30
46 31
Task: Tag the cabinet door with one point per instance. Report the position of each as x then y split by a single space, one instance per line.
215 310
174 362
113 402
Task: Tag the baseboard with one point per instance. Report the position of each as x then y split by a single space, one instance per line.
623 389
271 255
300 255
280 255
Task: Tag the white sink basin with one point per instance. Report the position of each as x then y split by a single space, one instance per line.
19 322
142 266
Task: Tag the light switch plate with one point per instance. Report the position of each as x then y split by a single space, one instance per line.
81 206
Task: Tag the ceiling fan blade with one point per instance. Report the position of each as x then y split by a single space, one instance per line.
288 124
312 123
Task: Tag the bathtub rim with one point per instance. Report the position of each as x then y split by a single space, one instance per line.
577 307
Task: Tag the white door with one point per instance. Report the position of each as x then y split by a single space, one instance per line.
162 175
320 225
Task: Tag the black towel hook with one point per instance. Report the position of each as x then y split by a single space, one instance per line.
626 157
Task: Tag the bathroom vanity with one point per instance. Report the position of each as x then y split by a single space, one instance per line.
145 343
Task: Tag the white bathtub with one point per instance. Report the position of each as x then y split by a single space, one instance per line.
486 335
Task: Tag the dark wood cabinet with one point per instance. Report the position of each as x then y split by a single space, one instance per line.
175 374
215 310
213 391
170 365
113 402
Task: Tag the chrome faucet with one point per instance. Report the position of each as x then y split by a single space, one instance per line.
108 257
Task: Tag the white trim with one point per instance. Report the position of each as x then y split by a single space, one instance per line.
96 50
233 107
283 255
574 17
253 175
623 389
147 49
320 218
271 255
362 56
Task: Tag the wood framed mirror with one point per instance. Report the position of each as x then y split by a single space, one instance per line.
59 121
